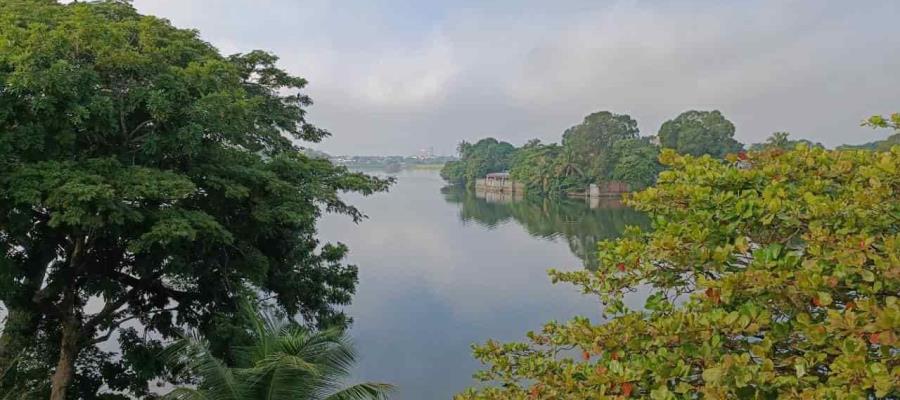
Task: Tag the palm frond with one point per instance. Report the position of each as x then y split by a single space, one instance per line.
286 361
218 381
186 394
363 391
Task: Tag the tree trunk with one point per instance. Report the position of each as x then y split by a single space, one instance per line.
70 329
68 352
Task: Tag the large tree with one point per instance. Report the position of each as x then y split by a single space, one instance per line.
147 174
590 143
698 133
770 275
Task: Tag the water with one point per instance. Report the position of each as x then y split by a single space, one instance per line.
443 269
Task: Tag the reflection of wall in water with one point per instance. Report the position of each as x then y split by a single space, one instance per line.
580 222
492 196
606 202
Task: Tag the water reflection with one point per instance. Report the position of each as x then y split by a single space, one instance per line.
440 271
581 223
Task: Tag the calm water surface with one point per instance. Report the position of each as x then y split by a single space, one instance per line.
441 269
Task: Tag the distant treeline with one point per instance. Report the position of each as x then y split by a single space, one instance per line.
608 147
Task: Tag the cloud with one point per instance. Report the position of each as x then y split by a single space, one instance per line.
395 76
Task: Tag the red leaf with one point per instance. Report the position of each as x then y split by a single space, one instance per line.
586 356
874 338
626 389
621 267
601 370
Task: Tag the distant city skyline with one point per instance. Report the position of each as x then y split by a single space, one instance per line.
393 76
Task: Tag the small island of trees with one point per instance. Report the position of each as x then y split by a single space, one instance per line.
604 147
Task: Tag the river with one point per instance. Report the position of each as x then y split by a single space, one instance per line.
441 269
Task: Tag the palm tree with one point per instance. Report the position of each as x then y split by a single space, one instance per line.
286 361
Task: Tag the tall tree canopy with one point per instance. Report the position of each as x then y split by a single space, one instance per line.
771 275
147 173
698 133
590 143
476 160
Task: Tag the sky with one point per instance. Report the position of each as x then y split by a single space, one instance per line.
396 76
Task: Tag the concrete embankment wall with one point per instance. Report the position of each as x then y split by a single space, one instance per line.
612 189
605 190
503 186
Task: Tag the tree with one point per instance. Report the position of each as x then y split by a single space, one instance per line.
635 162
535 166
144 171
771 275
476 160
285 361
698 133
781 140
591 142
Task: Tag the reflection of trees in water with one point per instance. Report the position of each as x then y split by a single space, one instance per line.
581 224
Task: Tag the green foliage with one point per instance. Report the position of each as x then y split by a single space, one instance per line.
781 140
770 275
545 169
590 144
284 361
635 162
144 170
476 160
698 133
878 121
605 146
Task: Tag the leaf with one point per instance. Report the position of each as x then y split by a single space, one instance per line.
712 375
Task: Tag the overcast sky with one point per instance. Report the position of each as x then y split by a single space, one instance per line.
392 77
